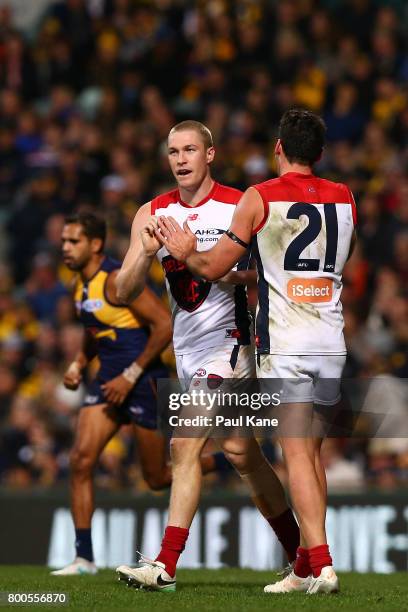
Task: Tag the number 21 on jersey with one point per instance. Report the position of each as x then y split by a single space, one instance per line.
292 260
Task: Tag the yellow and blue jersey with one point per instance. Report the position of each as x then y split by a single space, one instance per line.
120 336
120 339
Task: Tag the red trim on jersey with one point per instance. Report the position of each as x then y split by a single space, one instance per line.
300 175
298 187
227 195
203 201
164 200
266 211
220 193
353 206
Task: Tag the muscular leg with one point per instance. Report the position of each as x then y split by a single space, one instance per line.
306 484
320 471
151 447
95 427
266 489
187 476
321 475
186 488
185 494
245 455
247 458
156 470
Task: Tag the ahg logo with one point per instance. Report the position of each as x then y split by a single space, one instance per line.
210 234
210 231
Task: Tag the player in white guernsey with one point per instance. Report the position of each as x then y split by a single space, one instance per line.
303 230
212 340
205 315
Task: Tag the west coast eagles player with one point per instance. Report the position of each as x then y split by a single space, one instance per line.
128 341
303 228
211 339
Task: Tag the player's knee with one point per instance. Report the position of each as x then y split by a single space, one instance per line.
241 456
81 463
184 450
239 460
299 462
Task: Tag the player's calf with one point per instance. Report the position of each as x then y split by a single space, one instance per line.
265 489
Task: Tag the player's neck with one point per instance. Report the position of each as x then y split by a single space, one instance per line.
92 267
195 195
286 167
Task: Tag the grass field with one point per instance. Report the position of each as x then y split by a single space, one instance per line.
207 590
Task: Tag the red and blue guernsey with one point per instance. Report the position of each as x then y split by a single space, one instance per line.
301 247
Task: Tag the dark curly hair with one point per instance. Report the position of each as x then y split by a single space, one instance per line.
302 135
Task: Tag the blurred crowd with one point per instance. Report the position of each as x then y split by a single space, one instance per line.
86 101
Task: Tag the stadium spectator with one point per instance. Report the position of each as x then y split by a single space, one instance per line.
86 102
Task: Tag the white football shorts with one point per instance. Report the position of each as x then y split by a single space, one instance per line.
216 364
303 378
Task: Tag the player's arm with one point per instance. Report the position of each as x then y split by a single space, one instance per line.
239 277
352 244
152 313
216 262
354 215
150 310
143 247
73 374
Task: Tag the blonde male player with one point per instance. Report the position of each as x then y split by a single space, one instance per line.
303 229
211 339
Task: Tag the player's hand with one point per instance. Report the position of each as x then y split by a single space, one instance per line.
180 244
73 376
149 240
116 390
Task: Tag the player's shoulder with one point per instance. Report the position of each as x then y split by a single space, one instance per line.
226 194
278 189
340 193
273 189
163 200
331 191
110 264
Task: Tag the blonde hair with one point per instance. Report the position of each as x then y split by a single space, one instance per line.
202 130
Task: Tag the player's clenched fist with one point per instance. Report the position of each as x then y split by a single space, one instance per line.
149 240
73 376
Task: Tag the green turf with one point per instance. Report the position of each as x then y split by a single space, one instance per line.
209 591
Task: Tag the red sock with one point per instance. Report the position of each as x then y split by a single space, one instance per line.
287 532
173 543
319 557
302 566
